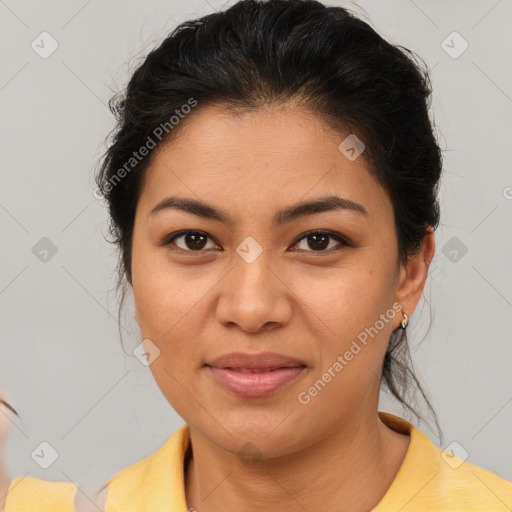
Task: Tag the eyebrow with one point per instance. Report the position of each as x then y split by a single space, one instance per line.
286 215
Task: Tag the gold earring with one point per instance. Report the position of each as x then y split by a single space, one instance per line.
405 321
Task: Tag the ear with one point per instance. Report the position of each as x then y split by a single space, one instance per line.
413 275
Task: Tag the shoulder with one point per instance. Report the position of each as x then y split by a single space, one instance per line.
457 484
29 494
434 479
149 476
157 478
470 486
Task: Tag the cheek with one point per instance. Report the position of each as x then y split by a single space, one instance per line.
350 352
346 300
173 307
163 296
169 313
352 344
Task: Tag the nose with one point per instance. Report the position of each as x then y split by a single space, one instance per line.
254 296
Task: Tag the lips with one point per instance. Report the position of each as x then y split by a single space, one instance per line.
252 370
255 375
266 361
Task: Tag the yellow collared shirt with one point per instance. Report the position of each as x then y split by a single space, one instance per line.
428 481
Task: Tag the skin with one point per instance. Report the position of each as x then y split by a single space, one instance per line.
332 453
90 502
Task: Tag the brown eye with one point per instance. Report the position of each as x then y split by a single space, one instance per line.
315 241
319 241
190 241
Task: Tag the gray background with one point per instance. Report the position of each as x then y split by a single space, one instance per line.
61 361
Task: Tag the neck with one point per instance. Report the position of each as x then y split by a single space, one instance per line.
350 468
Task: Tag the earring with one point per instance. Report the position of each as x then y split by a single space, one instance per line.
405 321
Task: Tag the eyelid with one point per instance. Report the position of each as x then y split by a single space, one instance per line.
344 241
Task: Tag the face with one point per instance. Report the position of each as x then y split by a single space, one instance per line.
312 294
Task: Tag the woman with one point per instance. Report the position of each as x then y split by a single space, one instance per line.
272 188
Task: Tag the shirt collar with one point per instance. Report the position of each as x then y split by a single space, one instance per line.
158 480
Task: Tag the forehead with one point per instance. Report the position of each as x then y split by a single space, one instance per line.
264 159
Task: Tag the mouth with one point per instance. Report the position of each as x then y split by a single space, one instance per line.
254 376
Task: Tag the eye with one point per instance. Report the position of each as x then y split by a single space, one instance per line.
196 241
190 241
319 241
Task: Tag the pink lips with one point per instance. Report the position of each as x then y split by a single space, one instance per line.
256 375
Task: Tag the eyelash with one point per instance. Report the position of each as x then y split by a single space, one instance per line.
342 240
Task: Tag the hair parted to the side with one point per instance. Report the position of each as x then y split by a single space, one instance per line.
325 59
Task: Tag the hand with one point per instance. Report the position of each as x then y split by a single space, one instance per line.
6 410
